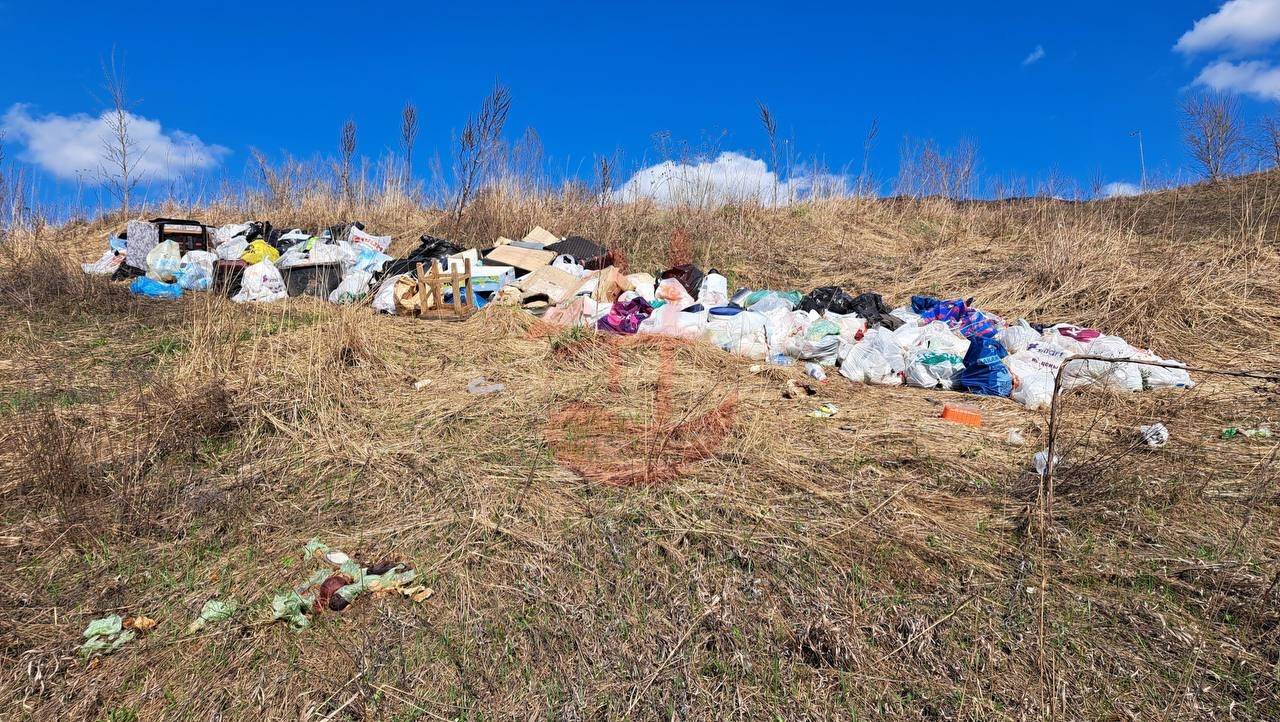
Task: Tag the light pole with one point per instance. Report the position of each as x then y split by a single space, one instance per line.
1142 159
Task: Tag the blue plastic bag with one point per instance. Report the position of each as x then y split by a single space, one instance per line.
984 372
920 304
150 288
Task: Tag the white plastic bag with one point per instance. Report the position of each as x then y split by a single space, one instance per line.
1163 377
384 299
261 283
368 260
671 291
1016 337
714 290
195 270
645 284
104 266
1034 369
377 243
568 265
162 261
933 369
353 288
232 250
1109 374
877 359
906 315
223 234
743 334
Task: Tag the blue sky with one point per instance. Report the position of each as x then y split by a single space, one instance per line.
1042 88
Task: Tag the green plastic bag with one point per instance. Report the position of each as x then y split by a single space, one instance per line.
214 610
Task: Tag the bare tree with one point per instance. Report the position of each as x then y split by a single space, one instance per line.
408 136
1213 133
771 129
346 151
475 146
1268 143
121 155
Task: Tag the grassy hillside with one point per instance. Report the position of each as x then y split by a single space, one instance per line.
882 564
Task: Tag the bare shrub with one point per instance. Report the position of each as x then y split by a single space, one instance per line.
475 147
927 169
1268 141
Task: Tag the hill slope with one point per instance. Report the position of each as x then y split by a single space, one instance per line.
882 564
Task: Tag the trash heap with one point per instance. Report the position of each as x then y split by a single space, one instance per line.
572 281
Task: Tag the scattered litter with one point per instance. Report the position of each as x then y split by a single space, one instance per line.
1014 438
1155 436
815 371
335 558
105 635
479 386
1261 432
962 415
140 623
292 608
421 384
214 610
794 390
825 411
336 590
1042 461
151 288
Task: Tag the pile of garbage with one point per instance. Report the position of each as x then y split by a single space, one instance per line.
572 281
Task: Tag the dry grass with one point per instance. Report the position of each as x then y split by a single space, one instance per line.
877 565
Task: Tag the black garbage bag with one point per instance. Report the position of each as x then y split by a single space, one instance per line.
688 275
430 249
340 231
873 308
867 305
124 272
827 298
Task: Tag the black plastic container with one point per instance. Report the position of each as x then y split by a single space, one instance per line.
227 276
317 280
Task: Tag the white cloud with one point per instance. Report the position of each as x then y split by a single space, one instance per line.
1036 56
1253 77
1238 24
66 145
1120 189
730 178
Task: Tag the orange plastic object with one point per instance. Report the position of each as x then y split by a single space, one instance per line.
962 415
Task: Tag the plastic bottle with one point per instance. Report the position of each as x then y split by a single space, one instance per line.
815 371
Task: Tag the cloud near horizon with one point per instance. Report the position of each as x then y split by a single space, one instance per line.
1252 77
67 145
729 178
1036 56
1237 25
1120 189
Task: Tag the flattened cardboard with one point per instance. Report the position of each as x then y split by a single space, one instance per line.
526 259
541 235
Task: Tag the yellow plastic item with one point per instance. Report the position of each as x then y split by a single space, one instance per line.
259 250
